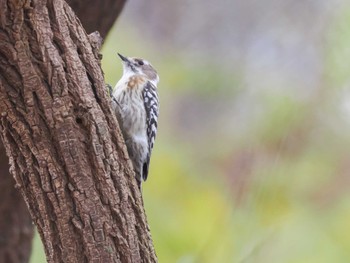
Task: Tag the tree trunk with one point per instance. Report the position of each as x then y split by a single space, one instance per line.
66 151
16 229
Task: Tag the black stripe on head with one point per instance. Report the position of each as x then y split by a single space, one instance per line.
139 61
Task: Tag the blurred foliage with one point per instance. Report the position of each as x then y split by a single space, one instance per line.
241 174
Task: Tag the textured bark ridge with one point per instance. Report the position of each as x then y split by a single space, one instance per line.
66 151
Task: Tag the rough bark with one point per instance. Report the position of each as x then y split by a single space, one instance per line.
97 15
16 228
65 148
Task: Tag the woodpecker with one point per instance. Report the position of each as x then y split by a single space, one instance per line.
136 105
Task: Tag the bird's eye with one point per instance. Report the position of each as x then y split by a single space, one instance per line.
140 62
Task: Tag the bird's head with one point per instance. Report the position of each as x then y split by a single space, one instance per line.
140 66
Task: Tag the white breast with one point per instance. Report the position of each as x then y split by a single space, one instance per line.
132 109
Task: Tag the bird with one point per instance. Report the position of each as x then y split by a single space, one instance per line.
136 105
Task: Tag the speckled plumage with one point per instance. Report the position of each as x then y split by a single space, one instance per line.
136 104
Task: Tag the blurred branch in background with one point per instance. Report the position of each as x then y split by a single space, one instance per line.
97 15
16 228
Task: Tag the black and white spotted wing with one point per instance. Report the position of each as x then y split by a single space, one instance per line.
151 103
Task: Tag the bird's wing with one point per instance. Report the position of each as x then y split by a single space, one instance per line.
151 103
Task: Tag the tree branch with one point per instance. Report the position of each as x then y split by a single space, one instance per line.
97 15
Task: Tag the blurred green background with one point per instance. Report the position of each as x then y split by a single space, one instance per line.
251 163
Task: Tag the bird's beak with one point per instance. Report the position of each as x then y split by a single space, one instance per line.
125 59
